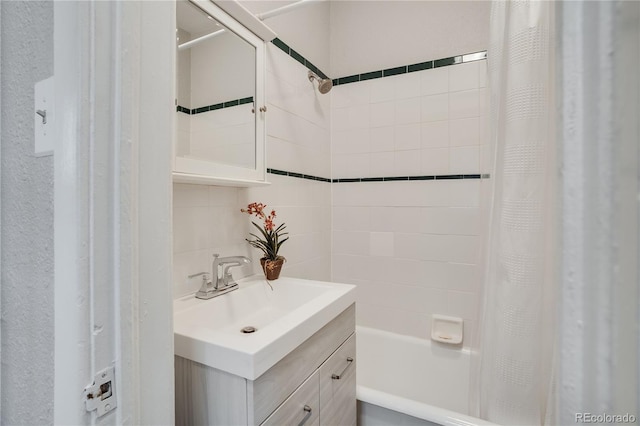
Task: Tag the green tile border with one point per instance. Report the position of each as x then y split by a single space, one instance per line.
298 57
420 66
378 179
207 108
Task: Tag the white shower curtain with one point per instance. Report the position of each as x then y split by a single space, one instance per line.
515 361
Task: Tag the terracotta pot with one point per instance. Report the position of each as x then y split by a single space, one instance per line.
271 268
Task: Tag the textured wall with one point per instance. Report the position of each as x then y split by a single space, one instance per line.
27 219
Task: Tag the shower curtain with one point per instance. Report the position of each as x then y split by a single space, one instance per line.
514 366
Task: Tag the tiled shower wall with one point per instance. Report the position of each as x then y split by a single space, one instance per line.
413 247
207 219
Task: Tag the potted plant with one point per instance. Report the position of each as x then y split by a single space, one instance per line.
269 240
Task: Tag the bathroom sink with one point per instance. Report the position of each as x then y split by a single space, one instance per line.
211 331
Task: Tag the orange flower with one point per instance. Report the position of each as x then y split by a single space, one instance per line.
270 237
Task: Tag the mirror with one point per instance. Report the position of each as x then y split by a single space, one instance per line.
216 93
216 75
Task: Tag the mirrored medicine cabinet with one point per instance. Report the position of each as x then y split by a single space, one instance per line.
220 94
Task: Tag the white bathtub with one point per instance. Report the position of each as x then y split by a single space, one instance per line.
400 376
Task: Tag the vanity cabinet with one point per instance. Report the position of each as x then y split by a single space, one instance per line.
313 385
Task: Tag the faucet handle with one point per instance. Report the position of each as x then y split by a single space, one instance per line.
204 275
205 280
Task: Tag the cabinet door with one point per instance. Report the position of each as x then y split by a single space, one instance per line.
301 408
338 386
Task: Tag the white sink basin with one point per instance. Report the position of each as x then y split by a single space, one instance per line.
209 331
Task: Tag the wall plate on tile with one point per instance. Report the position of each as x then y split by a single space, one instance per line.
43 117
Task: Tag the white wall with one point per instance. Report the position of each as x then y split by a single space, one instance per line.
27 310
413 247
207 219
374 35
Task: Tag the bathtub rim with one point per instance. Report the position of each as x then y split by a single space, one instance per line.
417 409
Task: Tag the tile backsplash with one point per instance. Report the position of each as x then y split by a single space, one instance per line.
413 246
207 219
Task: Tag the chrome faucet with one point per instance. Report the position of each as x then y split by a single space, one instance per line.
228 263
213 288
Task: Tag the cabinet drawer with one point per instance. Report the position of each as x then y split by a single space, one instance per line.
268 391
301 408
338 386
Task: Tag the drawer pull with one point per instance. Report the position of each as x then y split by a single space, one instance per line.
337 376
307 409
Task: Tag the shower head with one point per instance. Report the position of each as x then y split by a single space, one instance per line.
324 84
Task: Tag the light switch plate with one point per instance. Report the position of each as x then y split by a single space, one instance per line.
44 117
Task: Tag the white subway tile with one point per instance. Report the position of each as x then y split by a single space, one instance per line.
406 219
382 90
382 138
463 76
449 220
435 274
408 246
383 114
464 104
451 248
407 163
482 73
350 95
404 193
463 192
358 117
484 102
351 165
382 219
192 227
223 196
435 107
435 134
404 271
435 81
340 266
464 277
351 218
462 304
351 141
407 137
381 244
339 119
185 195
464 132
406 85
434 194
408 111
382 164
464 159
435 161
350 242
351 194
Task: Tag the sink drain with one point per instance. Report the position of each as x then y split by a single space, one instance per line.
248 329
